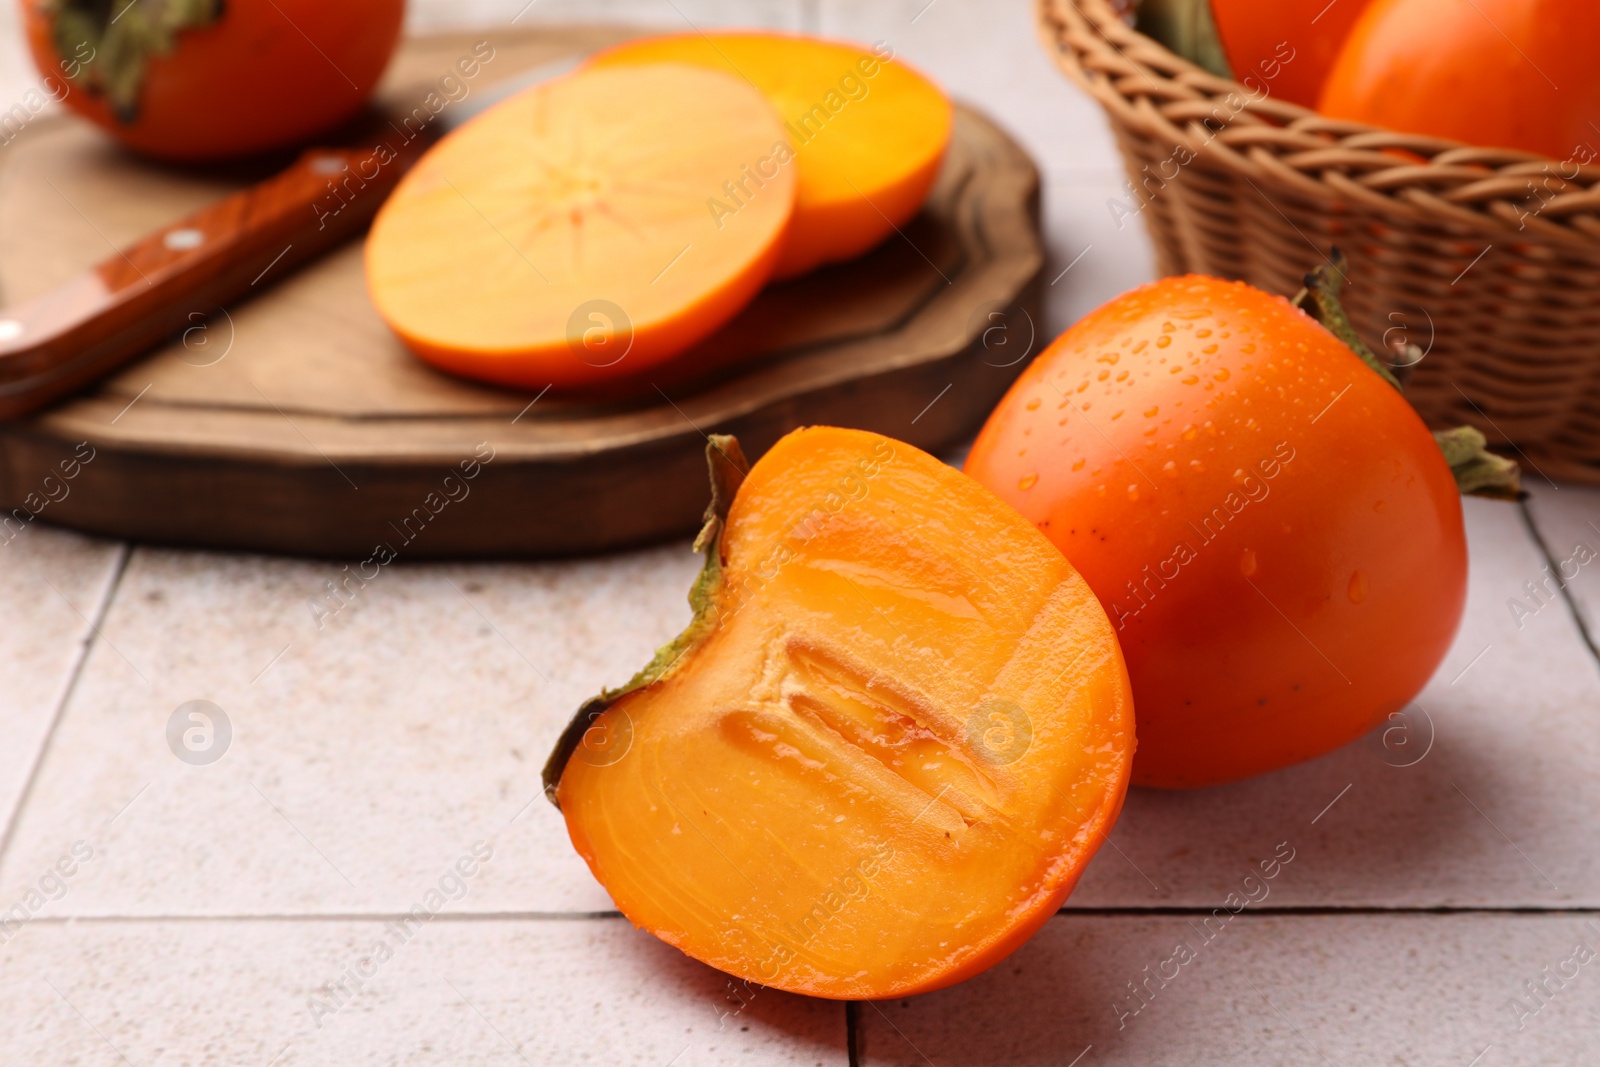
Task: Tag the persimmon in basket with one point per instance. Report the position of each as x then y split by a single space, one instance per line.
1281 49
882 753
1276 536
1499 73
1284 48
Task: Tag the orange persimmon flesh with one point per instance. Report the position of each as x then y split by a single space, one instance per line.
868 132
883 753
562 237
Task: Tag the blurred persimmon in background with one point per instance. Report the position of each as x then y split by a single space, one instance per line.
1502 73
1278 48
1285 46
203 79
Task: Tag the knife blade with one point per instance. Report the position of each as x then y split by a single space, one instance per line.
75 334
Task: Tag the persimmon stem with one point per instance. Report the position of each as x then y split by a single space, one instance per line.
1478 471
1320 300
727 466
113 43
1188 28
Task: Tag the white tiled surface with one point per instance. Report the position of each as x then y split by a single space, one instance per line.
1265 990
53 588
491 993
1431 879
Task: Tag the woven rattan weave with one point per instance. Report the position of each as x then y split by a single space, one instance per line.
1486 260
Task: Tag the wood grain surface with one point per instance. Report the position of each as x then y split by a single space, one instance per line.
295 422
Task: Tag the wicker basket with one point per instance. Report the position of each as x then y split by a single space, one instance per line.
1486 260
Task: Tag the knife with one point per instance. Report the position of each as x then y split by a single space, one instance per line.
73 335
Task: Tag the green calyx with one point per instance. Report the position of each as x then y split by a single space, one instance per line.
727 465
1478 472
111 41
1188 28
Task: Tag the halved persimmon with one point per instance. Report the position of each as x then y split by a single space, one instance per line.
882 753
562 237
869 132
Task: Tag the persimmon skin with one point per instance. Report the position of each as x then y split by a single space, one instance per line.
869 132
812 758
1255 34
248 83
1269 525
1499 73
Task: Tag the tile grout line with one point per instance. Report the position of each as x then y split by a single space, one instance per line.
1330 910
1554 564
1129 912
90 630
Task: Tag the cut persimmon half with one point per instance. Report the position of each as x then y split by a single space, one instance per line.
563 236
869 133
883 751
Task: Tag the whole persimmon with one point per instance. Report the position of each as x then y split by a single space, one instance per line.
1502 73
1273 532
1284 48
191 80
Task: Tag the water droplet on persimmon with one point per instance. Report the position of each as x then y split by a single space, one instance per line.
1358 587
1027 481
1247 563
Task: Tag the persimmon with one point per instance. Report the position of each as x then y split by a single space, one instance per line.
562 236
204 79
1284 48
869 132
1501 73
1274 533
1278 48
886 746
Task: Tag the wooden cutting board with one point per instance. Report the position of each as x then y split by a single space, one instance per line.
295 422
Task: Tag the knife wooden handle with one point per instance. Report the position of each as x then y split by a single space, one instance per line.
74 334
